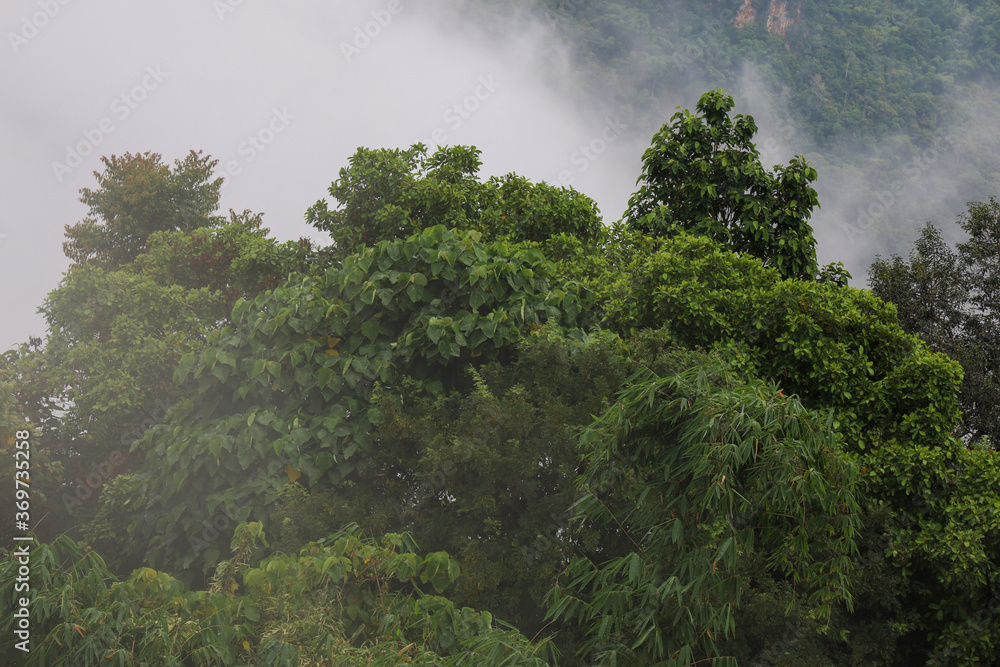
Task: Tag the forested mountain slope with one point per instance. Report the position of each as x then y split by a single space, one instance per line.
851 70
893 101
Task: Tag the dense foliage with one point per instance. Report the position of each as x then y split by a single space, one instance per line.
703 175
662 442
389 194
138 196
290 387
710 468
119 324
890 101
357 588
952 301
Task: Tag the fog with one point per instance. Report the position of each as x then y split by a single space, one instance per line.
875 202
283 94
879 209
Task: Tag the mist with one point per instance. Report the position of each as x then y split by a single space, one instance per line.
874 196
876 202
282 95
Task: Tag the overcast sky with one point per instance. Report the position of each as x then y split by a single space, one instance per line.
281 93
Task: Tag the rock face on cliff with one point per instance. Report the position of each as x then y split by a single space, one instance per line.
778 16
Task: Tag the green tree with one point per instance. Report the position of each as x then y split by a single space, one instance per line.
486 472
288 390
104 374
892 402
930 291
703 175
388 194
834 347
764 443
342 600
236 259
139 195
117 331
981 259
949 299
776 624
693 470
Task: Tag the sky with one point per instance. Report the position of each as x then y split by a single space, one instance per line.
282 94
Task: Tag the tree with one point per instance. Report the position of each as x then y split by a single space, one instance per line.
892 402
693 470
763 444
388 194
237 259
950 300
981 260
834 347
342 600
288 390
104 374
117 329
930 290
703 174
139 195
486 471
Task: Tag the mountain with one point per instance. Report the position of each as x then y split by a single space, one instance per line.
891 101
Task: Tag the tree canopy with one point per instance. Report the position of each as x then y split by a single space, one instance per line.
139 195
950 301
703 175
483 428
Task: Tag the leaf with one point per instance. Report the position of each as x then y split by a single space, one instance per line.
323 461
215 444
371 329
